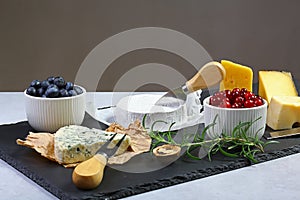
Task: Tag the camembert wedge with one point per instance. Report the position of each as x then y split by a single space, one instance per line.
74 143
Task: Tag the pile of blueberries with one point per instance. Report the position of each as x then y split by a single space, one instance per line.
53 87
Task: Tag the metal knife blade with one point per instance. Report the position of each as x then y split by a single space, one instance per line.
174 98
284 133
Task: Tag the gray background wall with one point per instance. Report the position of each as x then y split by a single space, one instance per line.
39 38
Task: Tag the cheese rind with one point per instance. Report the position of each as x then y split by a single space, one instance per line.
275 83
283 112
237 76
135 107
74 143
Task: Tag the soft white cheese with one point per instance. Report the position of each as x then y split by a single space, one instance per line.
134 107
77 143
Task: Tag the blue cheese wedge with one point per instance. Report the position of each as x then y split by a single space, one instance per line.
74 143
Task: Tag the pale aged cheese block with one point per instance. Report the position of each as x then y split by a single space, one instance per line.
74 143
237 76
275 83
283 112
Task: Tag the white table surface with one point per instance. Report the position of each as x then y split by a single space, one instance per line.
276 179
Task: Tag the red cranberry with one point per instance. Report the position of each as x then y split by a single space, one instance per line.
235 93
258 102
213 101
259 97
236 98
228 94
249 95
249 103
239 100
236 90
244 90
236 105
225 104
221 94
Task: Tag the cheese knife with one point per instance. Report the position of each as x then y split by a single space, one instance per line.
88 174
209 75
284 133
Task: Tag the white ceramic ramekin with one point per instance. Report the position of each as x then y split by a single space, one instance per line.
50 114
228 118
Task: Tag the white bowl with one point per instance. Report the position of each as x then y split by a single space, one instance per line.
228 118
50 114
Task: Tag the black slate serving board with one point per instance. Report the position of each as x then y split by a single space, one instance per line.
116 184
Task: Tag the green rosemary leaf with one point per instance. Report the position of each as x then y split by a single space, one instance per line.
256 134
232 147
144 121
169 136
158 121
270 142
243 134
235 130
238 140
207 128
225 153
155 144
213 146
253 152
188 152
251 123
205 131
170 127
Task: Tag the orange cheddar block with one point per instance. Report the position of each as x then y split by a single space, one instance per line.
237 76
275 83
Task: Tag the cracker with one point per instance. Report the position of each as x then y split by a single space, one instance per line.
140 141
43 143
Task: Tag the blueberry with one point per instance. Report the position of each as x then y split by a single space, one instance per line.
78 90
40 92
36 84
50 79
52 85
31 91
45 84
60 82
63 93
52 92
72 93
69 86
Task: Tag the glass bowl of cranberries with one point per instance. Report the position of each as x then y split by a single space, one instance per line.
229 108
53 103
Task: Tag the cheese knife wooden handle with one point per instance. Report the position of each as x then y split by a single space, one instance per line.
209 75
88 174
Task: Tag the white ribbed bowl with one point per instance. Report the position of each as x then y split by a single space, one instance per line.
228 118
50 114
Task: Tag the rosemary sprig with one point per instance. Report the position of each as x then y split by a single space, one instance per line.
235 144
